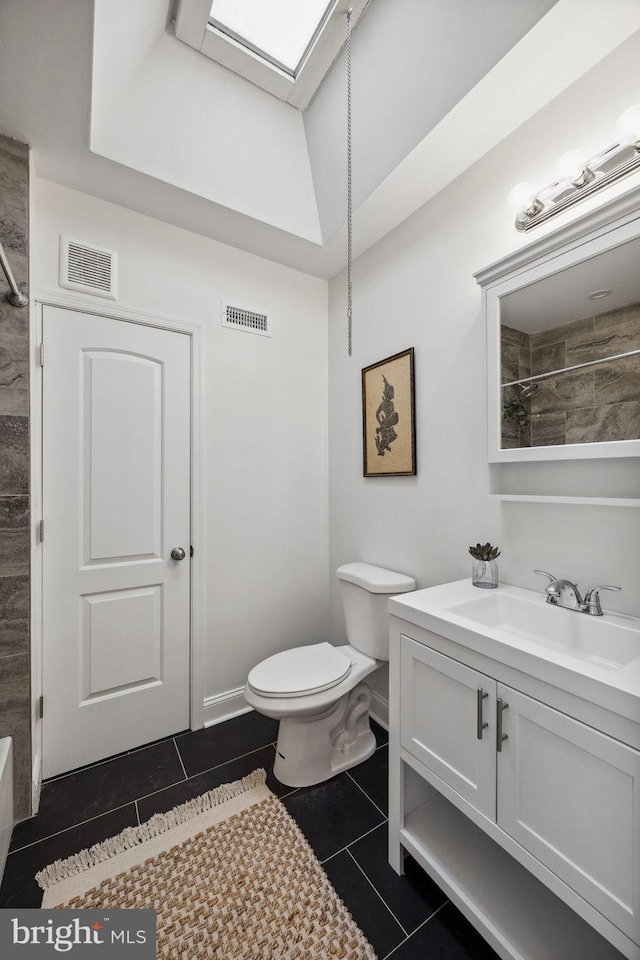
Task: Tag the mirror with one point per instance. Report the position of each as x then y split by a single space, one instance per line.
564 349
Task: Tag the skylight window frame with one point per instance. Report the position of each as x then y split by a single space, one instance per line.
193 25
224 29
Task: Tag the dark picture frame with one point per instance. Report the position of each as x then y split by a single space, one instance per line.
388 417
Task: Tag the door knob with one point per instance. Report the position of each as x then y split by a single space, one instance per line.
178 553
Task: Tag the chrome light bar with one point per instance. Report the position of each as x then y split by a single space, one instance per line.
617 161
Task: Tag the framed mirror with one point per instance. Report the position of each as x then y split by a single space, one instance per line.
563 341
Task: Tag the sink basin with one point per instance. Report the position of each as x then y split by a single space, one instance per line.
610 642
594 658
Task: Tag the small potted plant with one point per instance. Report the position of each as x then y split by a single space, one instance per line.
513 411
484 572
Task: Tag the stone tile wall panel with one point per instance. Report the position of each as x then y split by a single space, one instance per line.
580 406
15 683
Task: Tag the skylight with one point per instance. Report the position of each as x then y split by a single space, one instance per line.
281 31
284 46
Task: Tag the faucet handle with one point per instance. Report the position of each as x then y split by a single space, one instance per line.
592 599
543 573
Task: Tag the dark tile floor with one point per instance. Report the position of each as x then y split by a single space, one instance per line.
344 820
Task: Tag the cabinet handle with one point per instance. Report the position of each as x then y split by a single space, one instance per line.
500 736
479 724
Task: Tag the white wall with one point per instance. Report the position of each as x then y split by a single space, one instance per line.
403 85
265 419
185 120
415 288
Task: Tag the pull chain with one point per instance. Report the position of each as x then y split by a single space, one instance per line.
349 195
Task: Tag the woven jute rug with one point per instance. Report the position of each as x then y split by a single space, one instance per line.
230 875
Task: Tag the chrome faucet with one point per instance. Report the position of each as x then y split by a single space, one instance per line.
563 593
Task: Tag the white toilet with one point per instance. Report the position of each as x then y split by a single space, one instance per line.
317 693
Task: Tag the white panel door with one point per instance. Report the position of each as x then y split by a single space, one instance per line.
447 721
116 501
571 796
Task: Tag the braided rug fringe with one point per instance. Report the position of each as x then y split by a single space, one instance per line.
157 825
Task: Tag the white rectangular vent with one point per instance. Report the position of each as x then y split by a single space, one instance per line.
88 268
251 321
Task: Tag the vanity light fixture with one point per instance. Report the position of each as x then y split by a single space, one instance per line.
580 178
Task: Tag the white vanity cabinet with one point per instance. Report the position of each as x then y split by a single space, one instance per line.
528 817
447 719
570 795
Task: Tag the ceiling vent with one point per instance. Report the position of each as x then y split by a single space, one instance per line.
251 321
88 268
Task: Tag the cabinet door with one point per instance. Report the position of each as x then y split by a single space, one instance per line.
440 723
571 796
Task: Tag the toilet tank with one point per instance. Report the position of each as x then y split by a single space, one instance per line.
365 593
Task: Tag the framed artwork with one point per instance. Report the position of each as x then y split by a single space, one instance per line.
388 417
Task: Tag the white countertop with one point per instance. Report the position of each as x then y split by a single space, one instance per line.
450 610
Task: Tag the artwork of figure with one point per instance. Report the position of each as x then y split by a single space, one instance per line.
387 419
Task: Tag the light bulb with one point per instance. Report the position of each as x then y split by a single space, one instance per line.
628 125
522 196
571 165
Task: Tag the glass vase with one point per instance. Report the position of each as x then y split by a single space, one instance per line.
484 574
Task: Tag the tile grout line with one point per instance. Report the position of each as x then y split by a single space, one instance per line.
201 772
347 845
377 892
74 826
366 795
100 763
180 759
413 932
144 796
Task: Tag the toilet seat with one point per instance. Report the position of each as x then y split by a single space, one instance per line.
300 671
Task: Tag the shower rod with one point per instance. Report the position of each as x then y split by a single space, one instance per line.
576 366
15 295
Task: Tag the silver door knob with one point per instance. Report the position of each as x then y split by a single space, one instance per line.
178 553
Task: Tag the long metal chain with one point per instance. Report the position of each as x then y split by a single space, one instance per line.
349 195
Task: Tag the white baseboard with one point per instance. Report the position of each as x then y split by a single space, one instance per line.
224 706
379 709
232 703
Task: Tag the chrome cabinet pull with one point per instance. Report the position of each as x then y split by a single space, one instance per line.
479 724
500 736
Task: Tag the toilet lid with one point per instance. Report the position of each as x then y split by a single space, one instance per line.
301 671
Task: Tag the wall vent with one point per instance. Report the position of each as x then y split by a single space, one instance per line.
88 268
251 321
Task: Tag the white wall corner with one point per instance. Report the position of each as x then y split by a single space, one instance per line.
379 709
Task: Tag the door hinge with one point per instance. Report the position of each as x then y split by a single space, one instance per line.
42 354
41 707
190 551
41 531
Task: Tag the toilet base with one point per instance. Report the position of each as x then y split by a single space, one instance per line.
311 750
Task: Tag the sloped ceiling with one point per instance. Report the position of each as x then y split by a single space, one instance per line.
114 105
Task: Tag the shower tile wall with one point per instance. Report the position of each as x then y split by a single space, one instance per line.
599 403
515 355
580 406
15 689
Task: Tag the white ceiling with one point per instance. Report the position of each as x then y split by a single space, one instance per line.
564 296
127 113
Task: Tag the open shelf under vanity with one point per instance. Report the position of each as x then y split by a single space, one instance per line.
514 912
